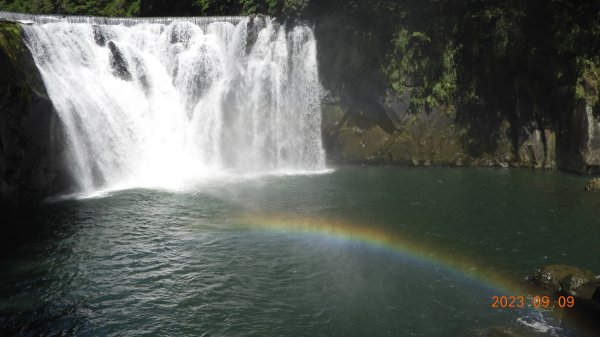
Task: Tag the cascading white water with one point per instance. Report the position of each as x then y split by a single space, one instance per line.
165 101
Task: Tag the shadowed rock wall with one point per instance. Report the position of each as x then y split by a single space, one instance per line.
579 146
386 132
30 165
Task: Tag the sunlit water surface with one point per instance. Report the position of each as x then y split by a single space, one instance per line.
197 262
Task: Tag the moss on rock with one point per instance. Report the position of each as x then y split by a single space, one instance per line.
11 52
11 39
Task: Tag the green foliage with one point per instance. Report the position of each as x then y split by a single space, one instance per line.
274 7
249 7
74 7
121 8
521 62
11 53
10 40
34 6
428 70
588 84
294 7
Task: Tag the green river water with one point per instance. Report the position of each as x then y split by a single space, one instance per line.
199 262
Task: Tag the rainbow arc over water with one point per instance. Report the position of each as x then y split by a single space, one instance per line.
418 251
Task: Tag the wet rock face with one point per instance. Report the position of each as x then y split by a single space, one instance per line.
102 35
571 281
579 144
593 185
141 72
549 277
30 135
385 131
99 37
581 284
596 296
118 63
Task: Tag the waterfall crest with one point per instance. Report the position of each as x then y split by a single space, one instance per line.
162 102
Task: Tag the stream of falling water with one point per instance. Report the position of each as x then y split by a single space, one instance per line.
163 102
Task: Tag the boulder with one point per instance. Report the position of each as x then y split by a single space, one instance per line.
593 185
581 284
549 277
571 281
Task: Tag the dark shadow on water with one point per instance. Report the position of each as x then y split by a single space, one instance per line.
47 320
25 235
38 223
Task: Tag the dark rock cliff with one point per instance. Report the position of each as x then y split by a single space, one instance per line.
579 142
384 131
30 168
449 83
365 120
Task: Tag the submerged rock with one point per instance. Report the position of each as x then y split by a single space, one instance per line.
118 63
593 185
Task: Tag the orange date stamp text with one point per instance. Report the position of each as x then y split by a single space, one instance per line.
538 302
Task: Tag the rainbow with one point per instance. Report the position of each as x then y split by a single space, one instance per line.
394 242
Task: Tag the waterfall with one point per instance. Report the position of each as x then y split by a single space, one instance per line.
166 101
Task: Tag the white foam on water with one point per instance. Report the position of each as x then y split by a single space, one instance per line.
540 325
201 99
